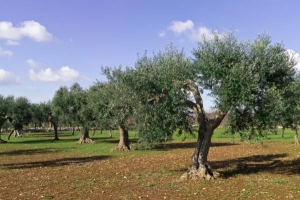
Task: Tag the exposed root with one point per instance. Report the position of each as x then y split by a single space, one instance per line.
203 172
85 141
121 148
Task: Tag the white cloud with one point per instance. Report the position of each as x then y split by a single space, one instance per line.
203 32
5 52
30 29
7 78
189 31
180 27
48 75
32 63
12 43
295 56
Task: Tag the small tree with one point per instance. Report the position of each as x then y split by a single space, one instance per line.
20 113
70 107
113 102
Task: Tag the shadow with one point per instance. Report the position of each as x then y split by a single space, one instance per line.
54 163
11 141
110 140
184 145
270 163
30 152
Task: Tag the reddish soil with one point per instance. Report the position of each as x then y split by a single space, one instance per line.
248 171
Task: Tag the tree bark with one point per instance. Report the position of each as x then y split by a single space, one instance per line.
124 140
85 138
296 138
53 122
200 169
110 133
282 131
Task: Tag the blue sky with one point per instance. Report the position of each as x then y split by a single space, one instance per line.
45 44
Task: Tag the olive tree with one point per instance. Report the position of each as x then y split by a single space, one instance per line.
40 113
158 83
69 106
113 103
20 114
244 78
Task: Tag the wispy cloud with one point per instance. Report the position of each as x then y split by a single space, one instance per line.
188 30
32 63
29 29
5 52
62 75
8 78
12 43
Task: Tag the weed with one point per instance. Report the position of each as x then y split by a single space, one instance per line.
252 184
245 192
150 184
281 181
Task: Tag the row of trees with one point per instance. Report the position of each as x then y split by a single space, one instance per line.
253 83
20 112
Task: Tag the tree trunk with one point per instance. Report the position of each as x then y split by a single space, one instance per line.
85 138
200 169
55 132
53 122
282 131
124 140
296 138
110 133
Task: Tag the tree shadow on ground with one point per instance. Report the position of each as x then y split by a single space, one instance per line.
187 145
31 151
269 163
43 141
54 163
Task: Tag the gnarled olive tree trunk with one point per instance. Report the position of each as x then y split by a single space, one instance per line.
124 140
17 128
200 167
53 122
85 138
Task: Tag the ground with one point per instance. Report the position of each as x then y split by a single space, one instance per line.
46 169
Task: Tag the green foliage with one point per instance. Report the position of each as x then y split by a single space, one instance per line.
157 84
40 112
20 111
246 80
69 105
290 105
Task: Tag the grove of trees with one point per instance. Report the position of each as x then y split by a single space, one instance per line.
254 83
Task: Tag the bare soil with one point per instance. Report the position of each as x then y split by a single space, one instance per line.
248 171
